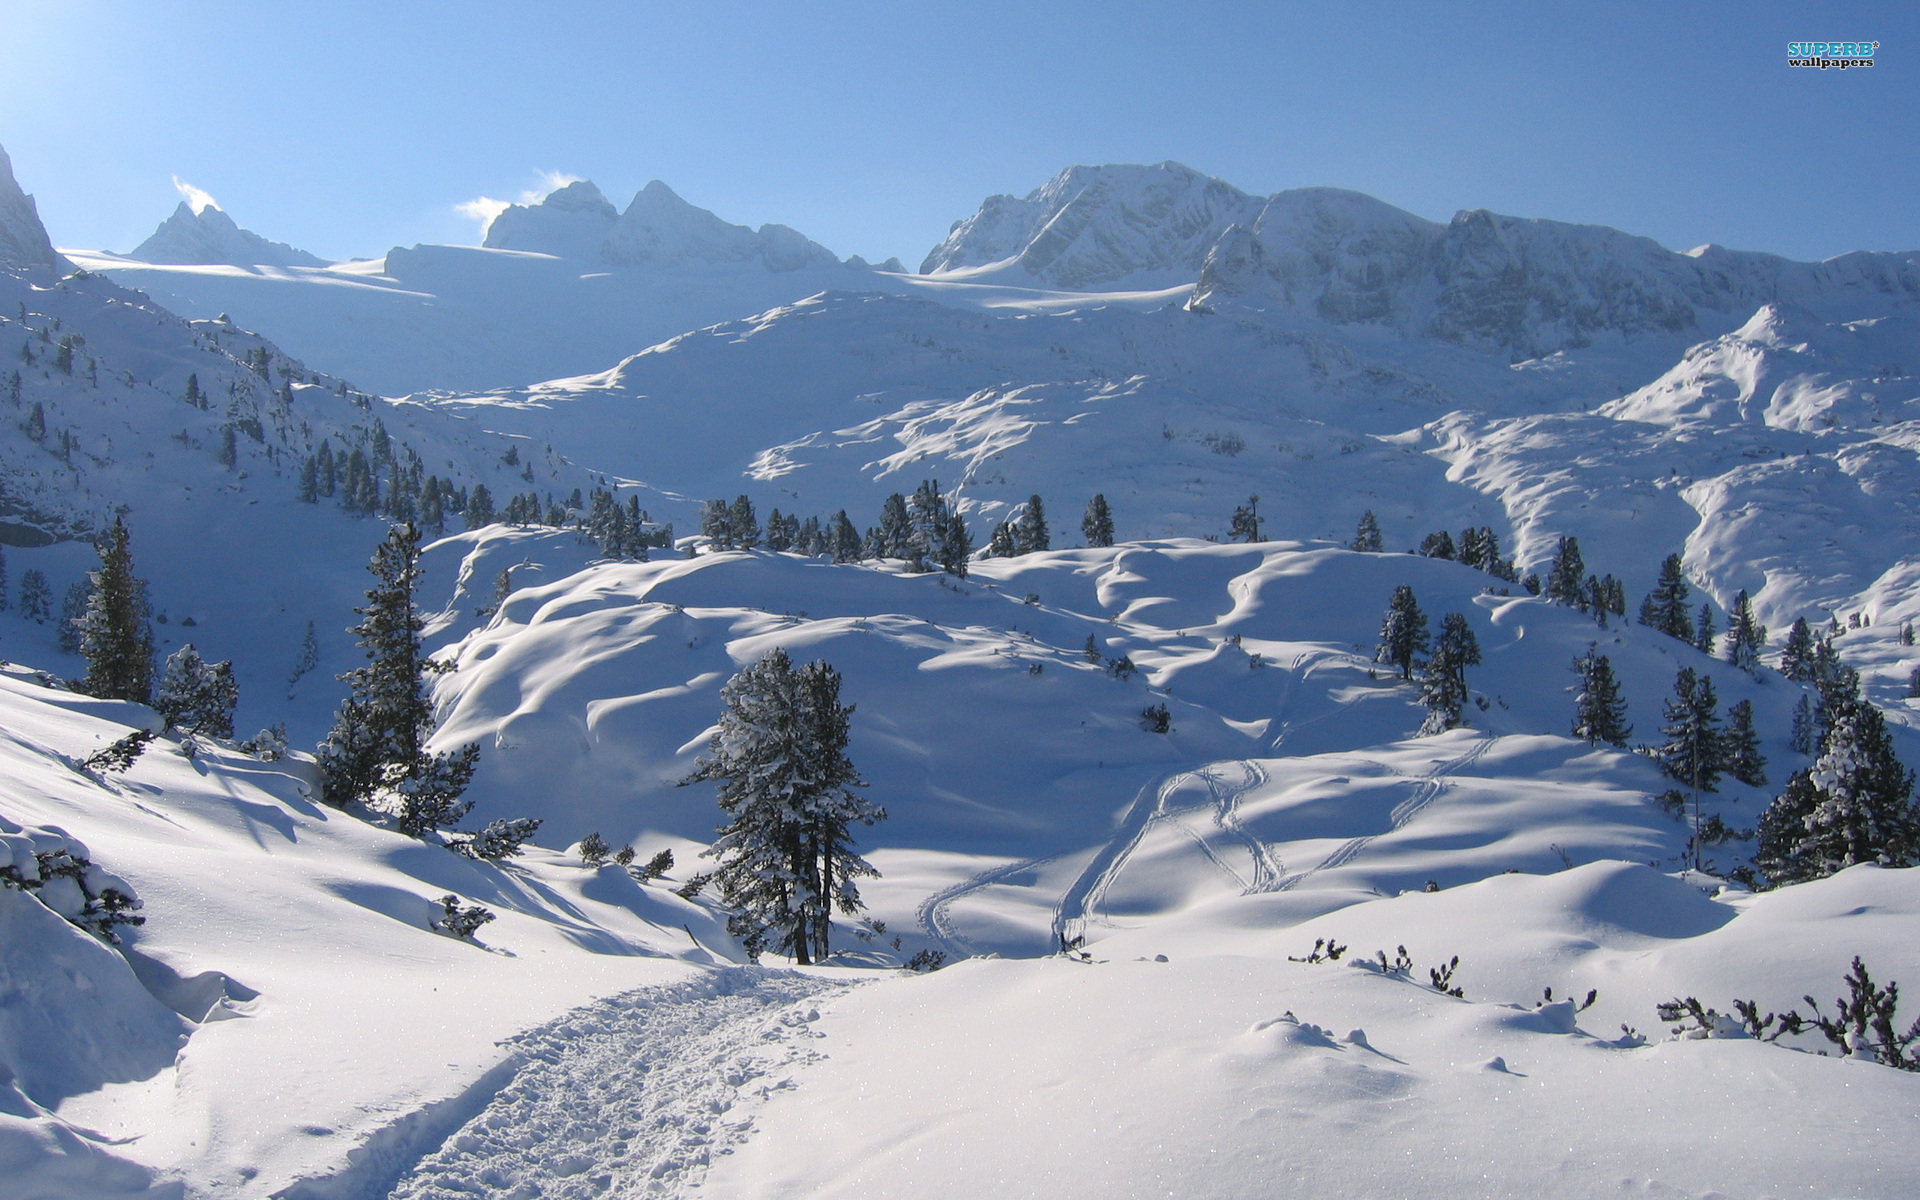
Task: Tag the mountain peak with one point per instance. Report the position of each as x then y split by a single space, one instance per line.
570 222
23 239
202 234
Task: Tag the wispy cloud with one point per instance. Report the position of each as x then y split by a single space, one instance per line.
198 199
484 209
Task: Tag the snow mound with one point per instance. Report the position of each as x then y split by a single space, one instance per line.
209 237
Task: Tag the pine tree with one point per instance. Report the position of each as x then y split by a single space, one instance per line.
197 696
1438 545
114 635
786 859
1599 711
926 520
777 538
1030 531
1797 656
895 531
1703 630
844 540
479 510
194 396
1443 679
1566 578
1001 544
73 610
1695 750
36 597
308 659
229 448
716 523
1806 733
741 522
310 481
1852 806
1366 538
376 753
954 549
1245 526
36 427
1097 525
433 515
1403 633
1472 548
1745 635
1744 760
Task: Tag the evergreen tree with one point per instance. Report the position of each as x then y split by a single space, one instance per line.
1703 630
1001 544
1797 656
741 522
36 598
115 638
1567 577
1745 635
310 481
1473 548
927 518
786 858
73 610
1665 607
36 427
1097 525
194 395
1245 526
716 523
1599 711
1744 760
1852 806
778 538
954 549
197 696
1443 679
895 531
1695 750
1030 531
1438 545
811 540
433 516
1403 633
376 753
843 542
229 448
1806 729
479 510
1367 537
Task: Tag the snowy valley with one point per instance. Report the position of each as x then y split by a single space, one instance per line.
1131 789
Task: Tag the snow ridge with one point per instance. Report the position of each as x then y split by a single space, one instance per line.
658 229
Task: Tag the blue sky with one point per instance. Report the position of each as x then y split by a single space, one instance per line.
346 128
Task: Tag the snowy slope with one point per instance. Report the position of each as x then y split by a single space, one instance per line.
207 236
23 239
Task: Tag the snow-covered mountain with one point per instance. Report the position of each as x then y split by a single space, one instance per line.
207 236
23 239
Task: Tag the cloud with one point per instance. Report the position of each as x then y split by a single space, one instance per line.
485 208
199 200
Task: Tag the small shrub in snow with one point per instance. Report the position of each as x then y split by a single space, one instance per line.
1442 978
1593 994
1331 952
593 849
656 866
269 745
624 856
870 928
1156 719
457 921
693 886
55 869
499 840
1120 668
1861 1027
927 960
120 755
197 696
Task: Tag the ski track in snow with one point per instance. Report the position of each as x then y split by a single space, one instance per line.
632 1095
1429 788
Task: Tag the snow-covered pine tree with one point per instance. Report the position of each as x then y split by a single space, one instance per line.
1805 735
433 513
810 540
1745 635
1665 607
927 519
1695 750
1443 678
1438 545
1001 543
115 638
1599 711
1245 525
36 597
1366 537
1797 656
376 753
954 548
1567 578
778 538
1852 806
1744 760
1030 531
1097 525
196 696
1403 632
785 854
1703 629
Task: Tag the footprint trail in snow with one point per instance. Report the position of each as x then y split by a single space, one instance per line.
632 1095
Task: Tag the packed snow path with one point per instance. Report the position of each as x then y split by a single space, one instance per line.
631 1095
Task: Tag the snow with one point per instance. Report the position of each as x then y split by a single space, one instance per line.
23 239
207 236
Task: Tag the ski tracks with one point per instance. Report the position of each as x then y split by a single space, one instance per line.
631 1095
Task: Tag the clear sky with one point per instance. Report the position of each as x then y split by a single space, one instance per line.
345 128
